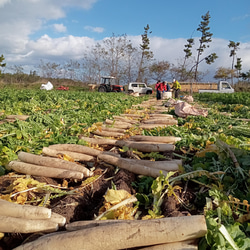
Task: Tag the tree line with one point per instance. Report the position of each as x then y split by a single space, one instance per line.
118 57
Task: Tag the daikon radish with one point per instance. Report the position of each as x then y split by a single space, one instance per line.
123 119
134 168
134 116
161 165
19 117
99 141
160 116
161 121
158 111
77 225
182 245
127 234
145 147
20 225
23 211
107 133
164 139
76 148
53 162
32 169
57 218
119 130
118 124
76 156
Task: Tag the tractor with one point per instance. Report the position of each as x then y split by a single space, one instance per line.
108 85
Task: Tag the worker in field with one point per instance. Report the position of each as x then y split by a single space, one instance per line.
176 87
158 90
163 88
168 88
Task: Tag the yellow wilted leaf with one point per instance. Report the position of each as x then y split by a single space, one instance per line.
95 126
19 189
244 218
1 235
22 198
5 197
89 180
116 196
68 158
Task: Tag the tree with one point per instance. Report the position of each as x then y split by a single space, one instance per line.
1 63
115 57
204 40
71 70
146 54
117 49
93 64
131 60
159 70
234 47
188 54
238 67
49 70
245 76
223 73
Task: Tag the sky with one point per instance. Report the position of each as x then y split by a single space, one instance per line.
61 30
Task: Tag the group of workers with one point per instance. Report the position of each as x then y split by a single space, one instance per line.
162 87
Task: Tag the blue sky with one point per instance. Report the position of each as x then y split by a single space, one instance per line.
167 19
57 30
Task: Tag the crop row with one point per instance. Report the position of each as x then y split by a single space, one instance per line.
54 117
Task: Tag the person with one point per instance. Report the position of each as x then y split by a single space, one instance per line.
158 90
176 87
168 86
163 88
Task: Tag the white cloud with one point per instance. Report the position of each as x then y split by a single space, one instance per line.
85 4
241 17
62 49
21 18
59 27
3 2
59 49
94 29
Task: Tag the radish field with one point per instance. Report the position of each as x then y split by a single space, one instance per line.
214 150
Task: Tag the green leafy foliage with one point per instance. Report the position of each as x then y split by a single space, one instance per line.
54 117
60 117
223 231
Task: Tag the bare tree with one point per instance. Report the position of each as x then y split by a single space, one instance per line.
117 49
93 64
71 70
159 70
131 60
49 69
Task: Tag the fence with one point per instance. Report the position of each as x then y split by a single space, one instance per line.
186 86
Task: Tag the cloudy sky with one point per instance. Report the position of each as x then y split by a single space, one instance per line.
60 30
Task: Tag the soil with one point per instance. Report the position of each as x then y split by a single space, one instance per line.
86 203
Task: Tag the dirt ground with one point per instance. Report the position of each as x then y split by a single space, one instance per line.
85 204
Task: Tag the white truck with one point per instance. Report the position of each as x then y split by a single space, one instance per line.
222 87
139 87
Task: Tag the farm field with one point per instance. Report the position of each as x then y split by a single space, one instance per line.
213 179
